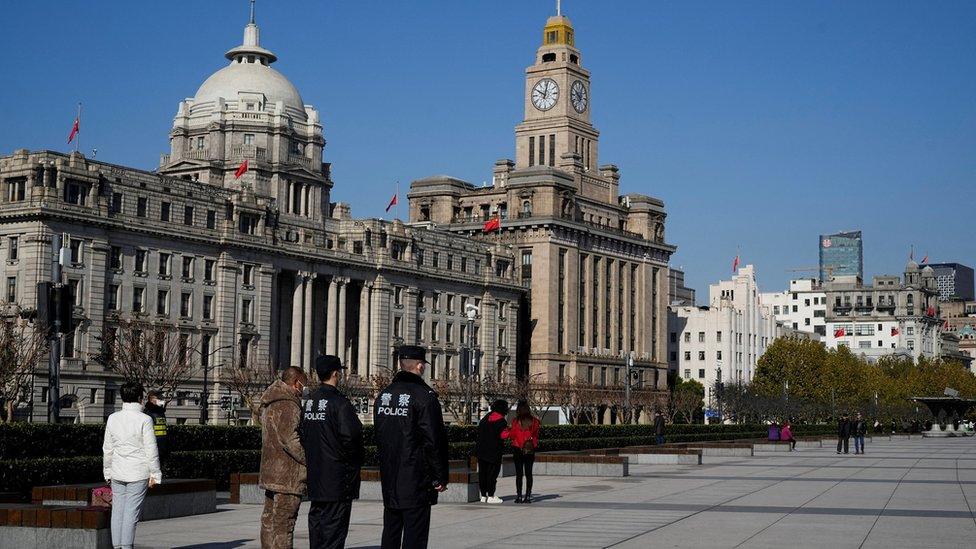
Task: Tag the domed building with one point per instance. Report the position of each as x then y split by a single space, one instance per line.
249 112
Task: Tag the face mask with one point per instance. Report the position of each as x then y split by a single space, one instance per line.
161 403
305 390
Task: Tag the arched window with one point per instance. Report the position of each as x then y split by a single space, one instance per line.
548 57
526 208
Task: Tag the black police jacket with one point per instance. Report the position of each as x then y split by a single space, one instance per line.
411 441
158 416
332 437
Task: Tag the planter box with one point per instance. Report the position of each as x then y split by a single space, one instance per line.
663 456
173 498
771 446
29 525
573 465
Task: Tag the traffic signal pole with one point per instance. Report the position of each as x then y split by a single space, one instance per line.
54 366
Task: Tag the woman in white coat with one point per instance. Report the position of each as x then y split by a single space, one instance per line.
130 463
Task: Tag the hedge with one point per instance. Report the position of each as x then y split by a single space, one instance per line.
27 440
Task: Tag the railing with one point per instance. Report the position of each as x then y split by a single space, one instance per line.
196 154
247 115
307 162
249 151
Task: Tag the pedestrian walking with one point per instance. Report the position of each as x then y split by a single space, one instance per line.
786 434
130 462
156 409
412 445
282 458
492 430
524 434
332 437
843 434
658 427
859 429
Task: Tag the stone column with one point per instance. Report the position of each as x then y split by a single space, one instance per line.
362 340
588 296
332 321
614 328
601 305
381 326
308 343
297 308
341 328
267 302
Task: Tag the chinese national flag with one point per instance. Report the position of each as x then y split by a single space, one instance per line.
839 332
393 202
735 263
75 128
930 311
894 331
241 170
925 259
492 224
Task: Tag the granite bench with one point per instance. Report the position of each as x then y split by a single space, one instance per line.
771 446
573 464
30 525
173 498
652 455
720 449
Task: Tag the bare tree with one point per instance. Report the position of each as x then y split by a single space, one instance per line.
453 394
249 379
156 355
22 345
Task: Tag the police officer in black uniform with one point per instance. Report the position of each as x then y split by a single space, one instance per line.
332 436
412 445
155 408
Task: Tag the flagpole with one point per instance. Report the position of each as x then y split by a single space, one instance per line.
78 137
396 197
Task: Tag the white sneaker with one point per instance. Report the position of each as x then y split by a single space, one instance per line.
484 499
493 499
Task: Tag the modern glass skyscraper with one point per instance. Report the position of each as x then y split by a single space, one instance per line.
841 254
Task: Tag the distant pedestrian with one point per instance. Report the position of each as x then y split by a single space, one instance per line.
492 430
786 434
282 458
843 434
412 445
156 409
658 428
130 463
525 441
774 433
860 428
332 436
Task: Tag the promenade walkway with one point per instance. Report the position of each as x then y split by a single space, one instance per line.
911 493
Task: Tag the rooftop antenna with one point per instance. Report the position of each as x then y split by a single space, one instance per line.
559 7
252 12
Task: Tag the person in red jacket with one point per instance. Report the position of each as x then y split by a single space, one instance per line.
524 434
786 433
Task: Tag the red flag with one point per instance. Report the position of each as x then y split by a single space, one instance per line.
930 311
492 224
241 170
945 326
393 202
735 263
75 128
839 332
925 259
894 331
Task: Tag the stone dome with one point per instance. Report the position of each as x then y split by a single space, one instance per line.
230 81
911 267
928 271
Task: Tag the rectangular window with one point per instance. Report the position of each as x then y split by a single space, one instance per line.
248 275
11 289
199 143
674 337
248 138
162 302
552 149
531 151
687 373
186 305
13 243
187 268
718 355
76 247
208 270
115 257
188 215
248 223
164 270
701 355
526 267
687 355
75 193
138 300
701 373
211 219
701 337
112 299
208 307
718 336
117 202
142 206
687 337
164 211
141 261
16 190
246 310
542 150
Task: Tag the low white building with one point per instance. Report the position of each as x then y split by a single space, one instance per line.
724 340
802 308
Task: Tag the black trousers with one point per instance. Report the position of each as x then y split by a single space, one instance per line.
412 526
328 524
488 477
523 466
843 442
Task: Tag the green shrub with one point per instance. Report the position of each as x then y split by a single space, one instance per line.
20 475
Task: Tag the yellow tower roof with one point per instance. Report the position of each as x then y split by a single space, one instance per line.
559 30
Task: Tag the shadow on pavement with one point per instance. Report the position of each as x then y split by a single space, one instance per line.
219 545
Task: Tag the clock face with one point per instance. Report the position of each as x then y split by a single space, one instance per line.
545 93
577 94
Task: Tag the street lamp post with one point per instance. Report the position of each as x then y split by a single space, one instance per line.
471 312
205 393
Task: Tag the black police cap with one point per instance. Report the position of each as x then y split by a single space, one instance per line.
326 364
412 352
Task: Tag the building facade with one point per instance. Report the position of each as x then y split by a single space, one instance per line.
841 255
595 263
802 308
259 266
678 293
955 281
723 340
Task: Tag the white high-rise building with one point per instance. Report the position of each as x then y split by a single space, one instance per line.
802 308
724 340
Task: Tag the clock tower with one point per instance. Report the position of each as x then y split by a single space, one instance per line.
557 103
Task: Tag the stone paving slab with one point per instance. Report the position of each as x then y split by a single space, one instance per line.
902 493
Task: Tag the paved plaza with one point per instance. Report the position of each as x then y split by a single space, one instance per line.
908 493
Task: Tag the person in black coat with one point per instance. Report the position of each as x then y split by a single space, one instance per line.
155 408
332 437
843 434
412 445
492 429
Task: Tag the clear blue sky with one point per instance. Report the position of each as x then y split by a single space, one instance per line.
760 124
